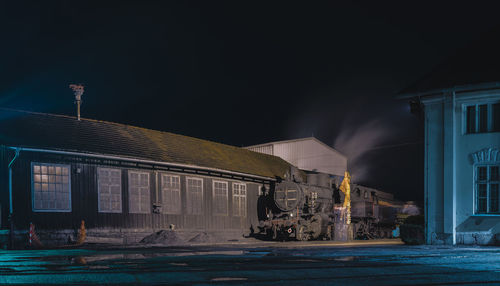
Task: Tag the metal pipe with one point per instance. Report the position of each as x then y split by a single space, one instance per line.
11 209
10 180
143 161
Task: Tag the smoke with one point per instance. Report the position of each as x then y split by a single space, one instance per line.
356 141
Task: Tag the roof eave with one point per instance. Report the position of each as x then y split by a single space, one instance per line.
139 160
458 88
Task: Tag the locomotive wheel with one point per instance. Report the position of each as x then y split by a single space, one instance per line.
301 235
274 232
329 233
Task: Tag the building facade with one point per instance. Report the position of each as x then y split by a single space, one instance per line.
462 161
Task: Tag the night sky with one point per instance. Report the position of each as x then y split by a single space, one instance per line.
243 72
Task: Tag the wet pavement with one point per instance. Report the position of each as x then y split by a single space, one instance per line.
288 264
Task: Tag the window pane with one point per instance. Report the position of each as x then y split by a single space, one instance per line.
220 203
171 196
109 189
481 207
494 173
138 189
471 119
239 199
482 173
483 118
194 196
482 190
494 198
48 194
496 117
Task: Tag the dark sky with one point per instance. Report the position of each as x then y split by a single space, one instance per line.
243 72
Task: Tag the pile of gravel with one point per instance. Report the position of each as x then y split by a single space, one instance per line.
167 237
203 237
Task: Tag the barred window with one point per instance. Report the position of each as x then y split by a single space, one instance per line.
219 198
110 190
138 190
239 199
194 196
481 118
51 187
171 194
487 193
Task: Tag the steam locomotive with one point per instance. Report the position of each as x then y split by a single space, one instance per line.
308 206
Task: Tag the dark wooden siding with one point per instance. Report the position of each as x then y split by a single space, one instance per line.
84 199
4 186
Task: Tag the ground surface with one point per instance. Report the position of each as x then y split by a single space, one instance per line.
265 264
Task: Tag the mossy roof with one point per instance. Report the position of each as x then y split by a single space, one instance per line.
66 133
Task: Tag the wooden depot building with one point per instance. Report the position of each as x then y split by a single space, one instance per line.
125 182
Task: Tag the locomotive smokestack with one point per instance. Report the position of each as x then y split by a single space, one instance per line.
78 91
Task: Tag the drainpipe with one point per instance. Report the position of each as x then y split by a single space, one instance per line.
11 221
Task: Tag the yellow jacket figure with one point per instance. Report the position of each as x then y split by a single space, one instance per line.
345 187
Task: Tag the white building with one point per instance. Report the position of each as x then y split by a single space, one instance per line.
307 154
462 143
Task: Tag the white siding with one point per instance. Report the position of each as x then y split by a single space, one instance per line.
306 154
265 149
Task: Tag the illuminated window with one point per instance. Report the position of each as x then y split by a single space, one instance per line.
138 192
110 190
171 194
481 118
486 188
239 199
219 198
51 189
194 196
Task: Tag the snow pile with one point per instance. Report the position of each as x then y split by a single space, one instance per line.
167 237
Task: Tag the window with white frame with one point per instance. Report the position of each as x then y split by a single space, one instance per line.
219 198
171 194
480 118
138 192
194 196
109 185
239 199
486 187
51 187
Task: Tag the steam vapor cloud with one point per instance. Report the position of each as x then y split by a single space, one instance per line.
355 142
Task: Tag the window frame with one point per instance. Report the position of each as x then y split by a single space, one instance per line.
488 182
33 209
188 196
239 196
164 209
129 195
490 128
99 191
213 197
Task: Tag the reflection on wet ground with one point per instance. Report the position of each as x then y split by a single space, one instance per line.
376 265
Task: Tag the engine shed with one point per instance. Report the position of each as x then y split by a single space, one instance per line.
124 181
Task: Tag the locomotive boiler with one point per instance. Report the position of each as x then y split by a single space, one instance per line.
300 210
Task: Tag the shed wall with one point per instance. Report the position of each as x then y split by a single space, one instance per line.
84 200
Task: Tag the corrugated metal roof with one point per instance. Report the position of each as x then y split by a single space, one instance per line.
59 132
292 141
